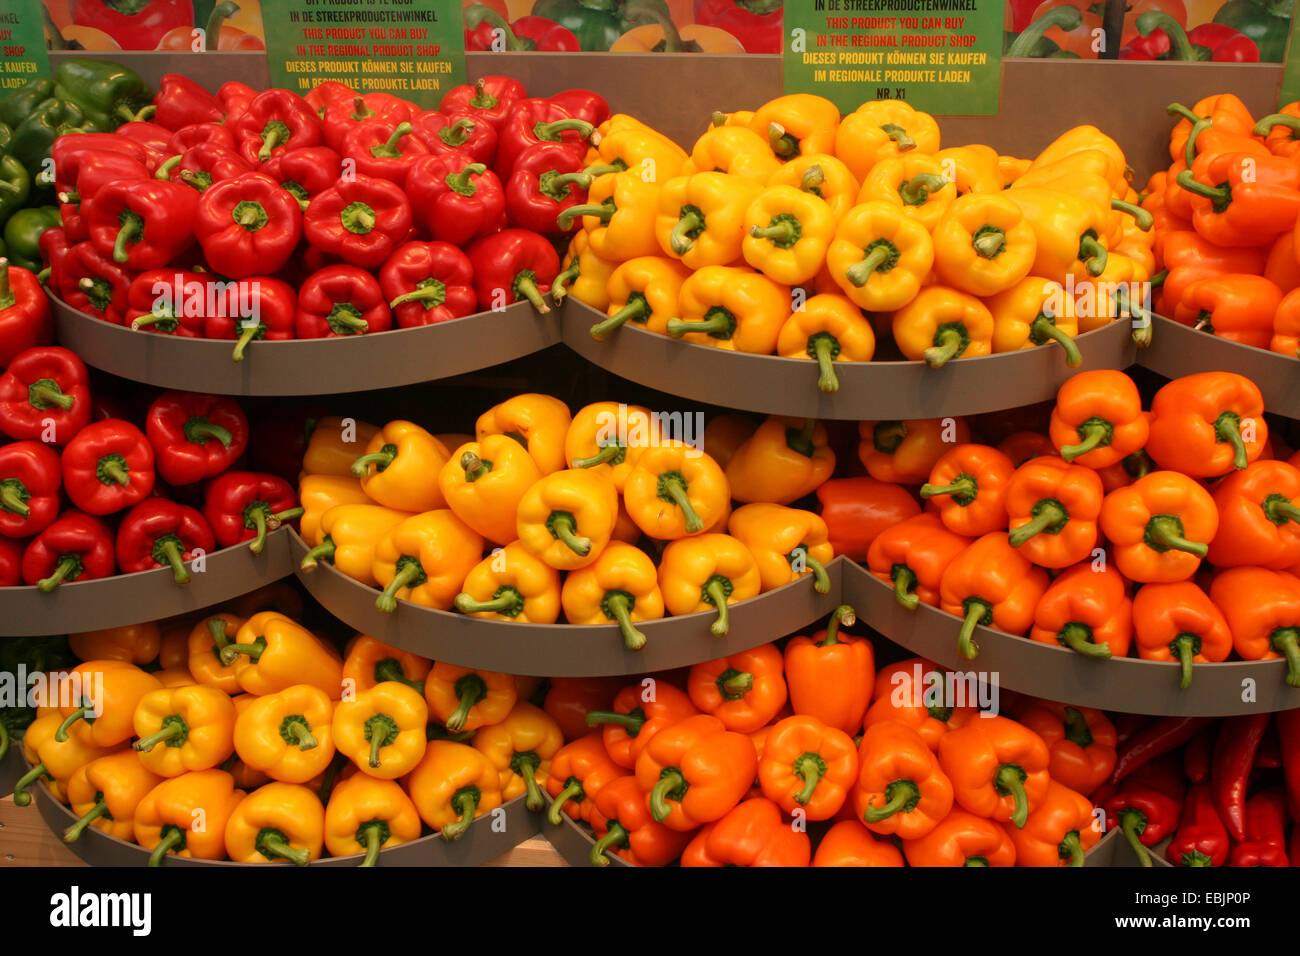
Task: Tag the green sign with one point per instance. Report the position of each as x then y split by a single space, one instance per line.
1290 91
22 39
414 49
940 56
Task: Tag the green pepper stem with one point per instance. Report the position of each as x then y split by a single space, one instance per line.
61 733
679 240
632 723
905 791
811 773
917 190
564 528
783 233
1073 848
466 805
556 811
168 731
1265 125
676 489
361 467
717 591
67 565
1093 254
1228 429
633 638
966 645
1049 516
322 552
1079 639
527 288
22 797
528 771
1093 434
1008 778
1182 645
813 178
73 833
1180 45
466 604
11 500
1141 218
842 615
824 352
904 581
387 600
948 346
173 837
258 541
276 846
1161 531
164 171
860 272
676 328
246 335
821 579
172 551
374 842
606 454
659 807
615 836
1131 824
1067 18
1042 327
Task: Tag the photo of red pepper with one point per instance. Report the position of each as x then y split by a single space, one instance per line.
93 283
454 199
487 30
248 225
30 480
548 178
1147 805
359 220
1201 838
183 102
89 171
158 533
76 547
341 300
136 26
108 467
202 165
158 302
195 436
44 396
490 98
532 121
275 120
272 316
755 23
142 224
428 282
385 150
442 133
245 505
513 265
306 172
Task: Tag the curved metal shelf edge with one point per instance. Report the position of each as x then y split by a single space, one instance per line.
480 843
1178 350
1055 673
573 842
868 390
309 366
144 595
566 649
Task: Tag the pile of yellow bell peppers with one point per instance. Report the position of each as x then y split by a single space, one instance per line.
796 232
539 513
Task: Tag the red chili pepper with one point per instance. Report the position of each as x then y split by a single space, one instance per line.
204 164
235 97
1201 839
248 225
385 150
454 199
534 121
341 300
305 172
1234 758
755 23
259 307
584 104
511 266
158 533
342 115
142 224
25 321
457 133
29 488
44 396
360 220
1269 754
140 25
428 282
490 98
149 135
1153 740
1265 843
75 547
244 505
182 102
91 172
275 120
195 436
108 467
92 283
198 134
1198 754
547 179
168 302
11 562
1147 805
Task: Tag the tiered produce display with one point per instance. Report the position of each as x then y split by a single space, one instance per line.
608 612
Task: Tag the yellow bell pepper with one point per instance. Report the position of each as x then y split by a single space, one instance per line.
424 560
567 517
1100 302
273 652
187 815
1090 141
395 469
621 586
349 534
279 822
365 815
786 233
1069 230
643 290
520 747
101 716
246 778
798 123
512 585
1021 319
381 730
367 662
484 483
583 274
733 308
973 168
710 570
184 729
1089 186
206 640
725 433
828 327
175 677
1011 168
318 494
880 256
738 118
787 544
453 785
619 216
915 181
884 129
137 644
464 698
942 324
105 792
1092 163
785 459
822 175
600 435
334 445
983 245
701 217
538 422
287 735
734 149
56 760
674 490
638 149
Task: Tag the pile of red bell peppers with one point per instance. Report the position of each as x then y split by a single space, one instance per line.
89 488
246 215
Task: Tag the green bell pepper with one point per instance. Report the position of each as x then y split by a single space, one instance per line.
109 94
16 107
22 234
1268 24
15 185
596 23
6 135
34 136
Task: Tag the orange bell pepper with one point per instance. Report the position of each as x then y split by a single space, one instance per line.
368 662
695 772
1159 526
1239 308
638 714
1052 509
999 768
1022 446
365 815
622 820
135 644
1286 326
1207 424
904 452
707 571
484 482
993 584
912 556
1087 610
808 766
187 815
205 644
752 834
1262 608
745 691
787 543
568 699
577 773
184 729
425 560
173 648
676 474
1098 419
962 839
969 484
463 698
538 422
858 510
101 717
287 735
1059 831
452 786
277 822
521 746
1179 622
849 843
723 434
1081 741
830 675
1258 517
901 788
334 445
273 652
911 692
105 792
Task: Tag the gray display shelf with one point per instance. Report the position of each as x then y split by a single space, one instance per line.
145 595
1126 685
573 651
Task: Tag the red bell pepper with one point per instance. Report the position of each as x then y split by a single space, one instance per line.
511 266
342 115
245 505
53 245
1234 758
275 120
108 467
25 321
260 307
93 283
234 97
755 23
140 25
168 302
323 94
248 225
75 547
195 436
428 282
149 135
359 220
584 104
1154 740
1266 820
44 396
385 150
11 562
142 224
857 510
202 165
487 31
490 98
1201 839
91 172
198 134
454 199
305 172
341 300
158 533
534 121
547 180
68 149
182 102
1209 41
29 488
1147 805
457 133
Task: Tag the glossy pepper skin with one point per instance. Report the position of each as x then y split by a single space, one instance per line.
1147 805
914 181
1097 420
184 729
707 571
1207 424
733 149
105 793
620 586
1081 741
1238 203
992 584
75 546
277 822
1052 508
745 691
273 652
807 765
857 510
343 114
695 772
731 307
752 834
879 256
158 533
1238 308
912 556
1201 838
244 505
787 543
195 436
287 735
849 843
521 746
156 302
455 199
108 466
349 534
983 245
1159 527
622 820
969 484
830 675
428 282
1179 622
143 224
1087 610
396 464
424 560
204 645
365 815
577 773
54 759
463 698
962 839
93 283
911 692
939 324
674 491
165 820
1257 517
1059 831
41 385
30 481
828 327
513 265
273 121
1234 756
360 220
484 482
566 518
784 460
24 317
318 495
638 714
511 584
999 768
1265 831
452 786
248 225
382 729
901 788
